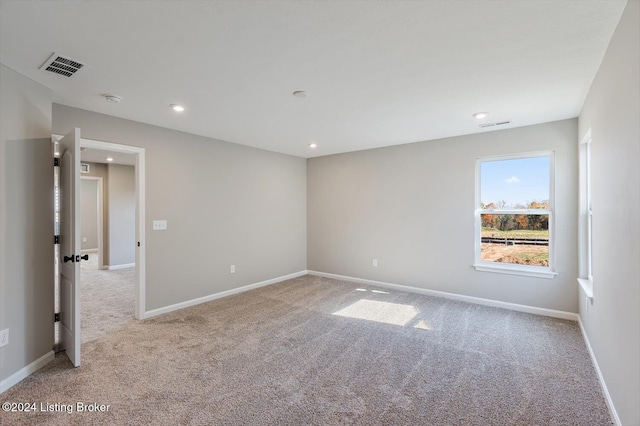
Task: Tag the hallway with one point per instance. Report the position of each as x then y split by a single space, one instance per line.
107 298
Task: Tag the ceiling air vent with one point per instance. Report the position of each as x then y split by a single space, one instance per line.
62 65
499 123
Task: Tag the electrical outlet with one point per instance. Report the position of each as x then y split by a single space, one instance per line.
232 269
84 239
4 337
375 263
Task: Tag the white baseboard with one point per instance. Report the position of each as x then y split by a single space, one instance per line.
21 374
192 302
605 391
469 299
123 266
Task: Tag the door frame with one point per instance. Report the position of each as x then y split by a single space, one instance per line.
100 215
140 302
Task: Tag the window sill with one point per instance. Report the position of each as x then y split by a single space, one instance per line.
482 267
587 286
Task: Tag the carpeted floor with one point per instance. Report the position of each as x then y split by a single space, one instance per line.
107 299
317 351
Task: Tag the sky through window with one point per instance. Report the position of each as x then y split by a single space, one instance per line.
516 182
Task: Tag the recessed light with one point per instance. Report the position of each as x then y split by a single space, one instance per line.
300 94
177 108
480 115
109 159
313 145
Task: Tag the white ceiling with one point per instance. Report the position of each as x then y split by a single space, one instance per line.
378 73
91 155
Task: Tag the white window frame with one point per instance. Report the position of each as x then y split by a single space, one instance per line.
511 268
585 219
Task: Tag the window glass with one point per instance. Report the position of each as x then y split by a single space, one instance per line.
514 183
515 211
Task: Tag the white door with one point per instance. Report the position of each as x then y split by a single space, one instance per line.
69 259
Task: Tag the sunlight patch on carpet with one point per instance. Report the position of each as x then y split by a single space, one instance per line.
423 325
373 310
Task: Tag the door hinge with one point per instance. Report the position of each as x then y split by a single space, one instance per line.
56 162
56 239
56 317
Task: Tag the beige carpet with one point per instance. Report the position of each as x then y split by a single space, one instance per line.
107 299
318 351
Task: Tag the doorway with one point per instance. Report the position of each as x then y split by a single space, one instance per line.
92 215
107 271
134 246
124 155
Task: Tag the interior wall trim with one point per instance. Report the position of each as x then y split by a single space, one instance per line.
23 373
199 300
453 296
605 390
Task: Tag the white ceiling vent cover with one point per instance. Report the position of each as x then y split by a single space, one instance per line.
499 123
62 65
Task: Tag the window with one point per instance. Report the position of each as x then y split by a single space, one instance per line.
585 255
514 215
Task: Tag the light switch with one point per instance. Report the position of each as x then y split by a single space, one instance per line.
159 225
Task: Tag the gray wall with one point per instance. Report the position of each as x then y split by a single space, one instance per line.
26 221
612 111
412 208
118 243
89 214
122 214
225 204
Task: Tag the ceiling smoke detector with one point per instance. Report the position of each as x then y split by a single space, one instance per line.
62 65
300 94
114 99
